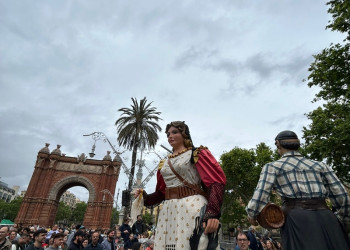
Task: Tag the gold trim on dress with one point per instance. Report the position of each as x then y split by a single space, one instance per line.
197 152
179 153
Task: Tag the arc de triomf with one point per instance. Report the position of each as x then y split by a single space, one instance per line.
54 173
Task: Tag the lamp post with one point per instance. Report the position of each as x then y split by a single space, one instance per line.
101 136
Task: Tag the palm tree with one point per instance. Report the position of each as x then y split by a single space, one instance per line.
137 128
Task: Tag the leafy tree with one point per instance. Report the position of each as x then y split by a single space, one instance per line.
14 206
327 137
79 212
340 10
9 210
3 209
137 128
114 217
64 212
242 168
147 218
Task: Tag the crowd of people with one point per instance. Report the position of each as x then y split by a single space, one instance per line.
124 237
252 240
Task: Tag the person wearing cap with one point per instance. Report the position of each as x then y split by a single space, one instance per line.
303 185
179 180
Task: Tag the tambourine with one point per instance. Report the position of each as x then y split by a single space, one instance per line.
271 217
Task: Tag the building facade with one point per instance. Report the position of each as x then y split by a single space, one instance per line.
69 199
7 194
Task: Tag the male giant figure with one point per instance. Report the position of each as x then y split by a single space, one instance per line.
303 185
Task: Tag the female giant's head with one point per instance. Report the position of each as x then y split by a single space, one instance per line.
184 130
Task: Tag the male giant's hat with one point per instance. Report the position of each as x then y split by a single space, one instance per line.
285 135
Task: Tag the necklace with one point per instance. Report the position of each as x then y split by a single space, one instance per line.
179 153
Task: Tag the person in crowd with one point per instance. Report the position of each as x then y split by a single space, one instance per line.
57 241
118 237
144 237
129 243
150 245
303 185
125 229
39 238
270 245
178 184
243 241
278 245
82 228
26 230
21 242
252 238
77 240
139 226
85 242
5 243
71 235
52 231
48 243
65 238
12 235
108 243
137 246
28 239
94 245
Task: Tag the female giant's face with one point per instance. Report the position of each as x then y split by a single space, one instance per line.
175 137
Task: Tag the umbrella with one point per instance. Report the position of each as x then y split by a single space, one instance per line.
5 222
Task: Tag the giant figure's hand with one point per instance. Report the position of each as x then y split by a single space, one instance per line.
252 221
211 225
136 192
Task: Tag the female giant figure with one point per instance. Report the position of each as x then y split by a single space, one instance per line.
179 179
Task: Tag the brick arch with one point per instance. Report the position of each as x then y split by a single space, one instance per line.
55 173
71 181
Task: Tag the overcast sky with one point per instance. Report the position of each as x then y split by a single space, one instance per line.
232 69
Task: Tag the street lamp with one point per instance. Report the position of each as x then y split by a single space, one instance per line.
92 154
101 136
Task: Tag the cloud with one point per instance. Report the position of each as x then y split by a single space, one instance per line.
227 67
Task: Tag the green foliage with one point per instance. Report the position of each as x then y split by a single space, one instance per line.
340 11
147 218
327 137
64 212
114 217
137 128
331 73
241 172
233 212
79 212
242 168
9 210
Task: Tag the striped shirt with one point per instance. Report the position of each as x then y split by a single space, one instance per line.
294 176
